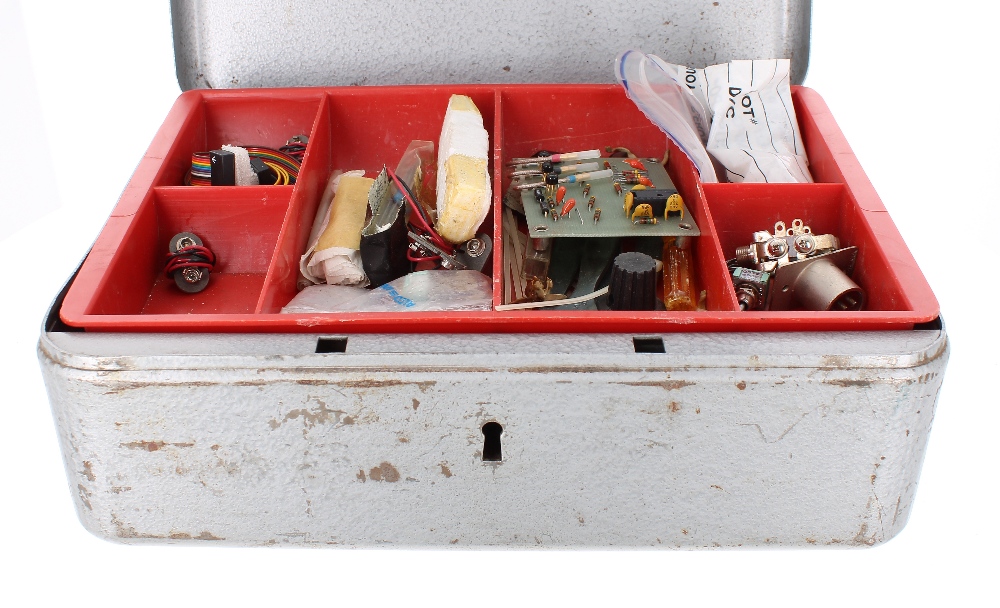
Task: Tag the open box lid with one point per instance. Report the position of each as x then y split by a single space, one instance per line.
380 42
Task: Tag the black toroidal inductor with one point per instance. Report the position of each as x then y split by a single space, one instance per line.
189 262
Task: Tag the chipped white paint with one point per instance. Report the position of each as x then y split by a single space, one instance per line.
254 440
373 42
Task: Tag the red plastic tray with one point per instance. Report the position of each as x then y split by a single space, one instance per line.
259 232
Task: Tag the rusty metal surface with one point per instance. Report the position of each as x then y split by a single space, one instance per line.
726 440
222 44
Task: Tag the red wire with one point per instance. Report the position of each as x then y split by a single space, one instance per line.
409 256
180 259
422 224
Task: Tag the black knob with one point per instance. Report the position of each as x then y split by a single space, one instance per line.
633 282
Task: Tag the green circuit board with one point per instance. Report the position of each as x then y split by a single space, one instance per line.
613 222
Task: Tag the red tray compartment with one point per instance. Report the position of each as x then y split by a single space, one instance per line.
239 224
260 232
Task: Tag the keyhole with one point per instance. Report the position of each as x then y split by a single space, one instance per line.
491 445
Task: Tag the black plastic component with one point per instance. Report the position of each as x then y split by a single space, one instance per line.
633 282
655 197
186 284
552 179
223 167
265 175
547 167
383 254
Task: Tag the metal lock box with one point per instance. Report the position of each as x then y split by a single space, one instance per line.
233 424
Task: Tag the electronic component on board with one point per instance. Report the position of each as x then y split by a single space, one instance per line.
555 158
657 199
568 206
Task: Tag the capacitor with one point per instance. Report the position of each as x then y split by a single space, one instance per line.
635 163
678 278
560 194
568 206
633 282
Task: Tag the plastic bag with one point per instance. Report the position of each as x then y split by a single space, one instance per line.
652 84
424 291
738 114
755 135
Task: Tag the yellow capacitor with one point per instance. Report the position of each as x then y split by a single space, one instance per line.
643 210
675 207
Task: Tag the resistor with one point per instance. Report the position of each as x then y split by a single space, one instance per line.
568 206
644 220
586 189
547 168
597 215
583 177
607 164
618 189
556 158
591 202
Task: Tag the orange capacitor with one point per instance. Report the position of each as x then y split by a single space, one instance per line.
560 194
568 206
645 181
678 278
635 163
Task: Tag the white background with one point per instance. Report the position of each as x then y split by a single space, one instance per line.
83 88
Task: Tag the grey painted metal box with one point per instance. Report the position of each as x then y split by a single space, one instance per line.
723 440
